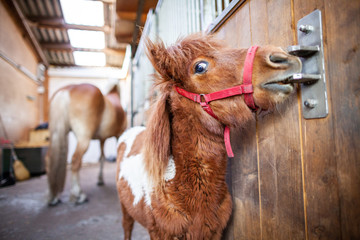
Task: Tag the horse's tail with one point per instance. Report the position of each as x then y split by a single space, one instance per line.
57 155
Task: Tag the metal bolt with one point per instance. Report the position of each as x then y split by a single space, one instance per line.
311 103
306 28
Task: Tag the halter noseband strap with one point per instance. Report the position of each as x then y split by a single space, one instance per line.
246 88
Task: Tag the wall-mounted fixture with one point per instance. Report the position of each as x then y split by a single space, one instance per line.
312 79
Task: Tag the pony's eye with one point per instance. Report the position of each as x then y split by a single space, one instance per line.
201 67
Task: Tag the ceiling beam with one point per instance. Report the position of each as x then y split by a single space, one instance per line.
48 22
63 64
57 46
29 32
69 48
124 38
115 52
131 16
124 35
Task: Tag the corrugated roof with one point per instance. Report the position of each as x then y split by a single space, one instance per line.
47 24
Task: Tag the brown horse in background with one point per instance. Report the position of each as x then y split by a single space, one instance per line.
84 110
171 175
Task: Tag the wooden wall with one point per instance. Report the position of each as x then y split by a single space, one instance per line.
19 114
294 178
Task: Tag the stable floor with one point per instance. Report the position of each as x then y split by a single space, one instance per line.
24 213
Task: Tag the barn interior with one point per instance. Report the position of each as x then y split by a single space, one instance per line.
292 177
44 46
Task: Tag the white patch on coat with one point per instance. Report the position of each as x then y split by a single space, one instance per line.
132 168
170 170
133 171
128 137
75 185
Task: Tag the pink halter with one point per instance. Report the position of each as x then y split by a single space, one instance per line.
246 88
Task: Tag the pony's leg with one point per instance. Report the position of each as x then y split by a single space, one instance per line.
101 160
76 193
127 222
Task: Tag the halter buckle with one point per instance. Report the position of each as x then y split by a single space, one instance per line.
202 95
203 104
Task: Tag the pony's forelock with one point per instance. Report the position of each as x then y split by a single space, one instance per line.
172 62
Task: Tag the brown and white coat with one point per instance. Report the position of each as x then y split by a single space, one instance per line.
171 175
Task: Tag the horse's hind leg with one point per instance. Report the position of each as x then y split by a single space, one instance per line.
76 193
127 222
102 160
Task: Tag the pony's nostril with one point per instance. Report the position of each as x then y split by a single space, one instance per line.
279 59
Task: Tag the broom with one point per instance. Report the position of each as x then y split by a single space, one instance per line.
20 171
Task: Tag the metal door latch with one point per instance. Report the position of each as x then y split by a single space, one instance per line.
304 78
303 51
312 79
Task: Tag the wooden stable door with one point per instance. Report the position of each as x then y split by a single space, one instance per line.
294 178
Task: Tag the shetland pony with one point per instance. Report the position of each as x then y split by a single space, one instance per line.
84 110
171 175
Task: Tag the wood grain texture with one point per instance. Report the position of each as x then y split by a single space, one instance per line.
245 184
308 169
321 186
279 147
259 22
236 30
324 162
342 24
246 210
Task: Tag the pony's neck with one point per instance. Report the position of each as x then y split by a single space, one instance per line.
200 158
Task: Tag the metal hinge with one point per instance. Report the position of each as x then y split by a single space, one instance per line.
312 79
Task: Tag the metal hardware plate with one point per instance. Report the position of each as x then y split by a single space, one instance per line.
310 49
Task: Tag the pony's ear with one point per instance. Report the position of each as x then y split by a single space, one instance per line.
157 142
159 57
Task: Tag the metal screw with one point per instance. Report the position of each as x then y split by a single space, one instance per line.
306 28
311 103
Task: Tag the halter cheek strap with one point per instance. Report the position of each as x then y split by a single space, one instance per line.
246 88
247 76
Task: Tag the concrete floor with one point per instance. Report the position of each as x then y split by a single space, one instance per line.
24 213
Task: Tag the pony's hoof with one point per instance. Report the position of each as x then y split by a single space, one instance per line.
100 183
81 199
54 202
